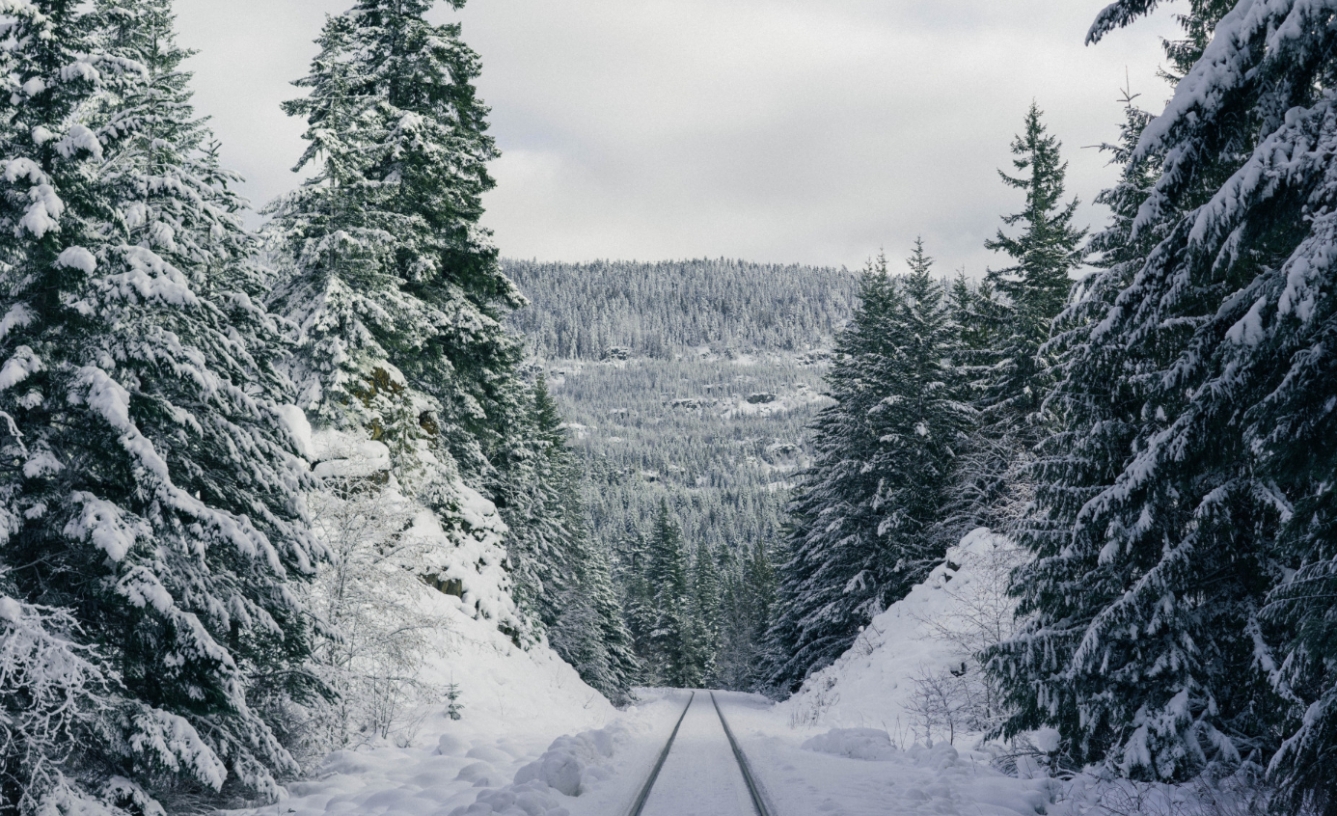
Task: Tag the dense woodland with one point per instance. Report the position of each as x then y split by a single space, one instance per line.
695 442
222 453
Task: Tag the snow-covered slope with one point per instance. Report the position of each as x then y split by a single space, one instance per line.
514 703
882 680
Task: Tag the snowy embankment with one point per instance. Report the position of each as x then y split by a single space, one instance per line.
887 678
538 743
892 726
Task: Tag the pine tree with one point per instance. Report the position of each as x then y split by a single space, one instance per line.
1014 315
1171 622
826 591
706 606
863 519
394 285
541 506
151 516
747 597
675 650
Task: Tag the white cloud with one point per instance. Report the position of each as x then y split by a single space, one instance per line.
770 130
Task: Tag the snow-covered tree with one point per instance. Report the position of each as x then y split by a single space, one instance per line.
394 286
1004 326
151 517
541 506
590 632
863 518
675 651
1175 610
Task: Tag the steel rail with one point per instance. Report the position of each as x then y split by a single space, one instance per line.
639 804
753 786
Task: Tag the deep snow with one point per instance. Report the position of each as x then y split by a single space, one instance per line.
536 741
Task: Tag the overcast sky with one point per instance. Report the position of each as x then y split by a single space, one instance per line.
768 130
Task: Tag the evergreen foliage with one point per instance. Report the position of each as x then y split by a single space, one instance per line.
562 576
394 287
621 308
675 650
863 517
1005 325
1181 536
152 526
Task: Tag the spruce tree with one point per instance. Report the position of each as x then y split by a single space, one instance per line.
1174 610
394 286
541 506
562 577
706 606
1013 314
151 515
826 591
863 526
675 643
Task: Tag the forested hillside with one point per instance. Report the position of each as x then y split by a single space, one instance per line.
690 387
666 309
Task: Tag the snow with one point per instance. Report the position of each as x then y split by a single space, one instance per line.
510 744
536 741
18 316
77 257
19 367
855 743
874 683
105 525
299 428
700 776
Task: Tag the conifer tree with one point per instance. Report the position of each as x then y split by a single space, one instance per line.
675 644
394 286
1013 314
541 506
1150 641
863 519
151 517
706 589
747 597
826 591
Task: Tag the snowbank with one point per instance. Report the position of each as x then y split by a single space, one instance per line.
930 633
514 702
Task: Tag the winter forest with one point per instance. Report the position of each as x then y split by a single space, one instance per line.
329 505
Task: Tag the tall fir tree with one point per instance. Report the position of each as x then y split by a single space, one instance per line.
541 506
1175 608
747 598
675 649
562 577
150 491
1013 314
706 589
394 286
863 519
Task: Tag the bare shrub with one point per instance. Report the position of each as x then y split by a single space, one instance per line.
377 634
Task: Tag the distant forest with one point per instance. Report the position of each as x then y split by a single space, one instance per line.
688 388
594 310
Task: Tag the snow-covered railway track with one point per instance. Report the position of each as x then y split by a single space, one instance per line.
703 774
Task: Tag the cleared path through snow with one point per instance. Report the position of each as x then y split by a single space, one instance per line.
700 776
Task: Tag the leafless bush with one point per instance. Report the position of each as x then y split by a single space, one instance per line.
55 694
374 654
963 697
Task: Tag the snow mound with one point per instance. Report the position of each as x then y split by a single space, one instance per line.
932 632
855 743
570 766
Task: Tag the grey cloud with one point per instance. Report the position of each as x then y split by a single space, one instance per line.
762 129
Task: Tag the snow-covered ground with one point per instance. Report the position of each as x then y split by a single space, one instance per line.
536 741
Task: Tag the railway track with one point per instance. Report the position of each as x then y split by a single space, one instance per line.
703 747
